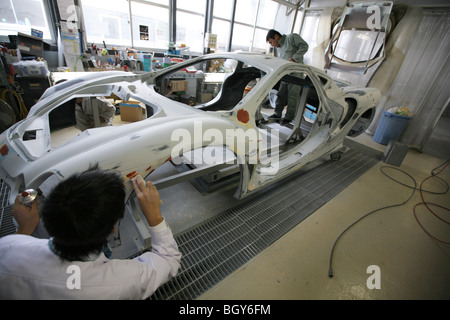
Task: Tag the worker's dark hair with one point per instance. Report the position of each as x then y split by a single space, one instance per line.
271 34
81 211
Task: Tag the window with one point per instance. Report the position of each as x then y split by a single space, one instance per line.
356 45
156 18
220 85
107 20
309 34
190 24
253 18
222 29
266 20
244 25
221 23
259 41
267 13
222 9
242 36
24 15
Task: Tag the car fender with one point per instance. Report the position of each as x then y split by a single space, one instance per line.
140 153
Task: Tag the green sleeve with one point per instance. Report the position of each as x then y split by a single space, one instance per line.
300 45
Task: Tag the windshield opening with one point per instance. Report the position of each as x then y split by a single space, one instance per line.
79 114
210 85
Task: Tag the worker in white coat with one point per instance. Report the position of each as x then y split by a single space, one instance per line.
79 215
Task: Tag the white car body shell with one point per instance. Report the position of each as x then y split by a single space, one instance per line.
141 147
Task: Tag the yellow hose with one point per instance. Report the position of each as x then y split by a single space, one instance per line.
23 111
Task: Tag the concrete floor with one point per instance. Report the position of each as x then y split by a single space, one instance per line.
411 264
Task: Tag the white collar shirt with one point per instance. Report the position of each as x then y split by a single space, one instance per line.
30 270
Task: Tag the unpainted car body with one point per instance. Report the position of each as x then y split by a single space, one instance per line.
28 158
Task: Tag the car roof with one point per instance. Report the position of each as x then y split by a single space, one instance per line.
259 60
262 61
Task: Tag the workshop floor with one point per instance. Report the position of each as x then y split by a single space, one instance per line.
411 264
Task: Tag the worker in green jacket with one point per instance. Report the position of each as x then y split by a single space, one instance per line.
291 47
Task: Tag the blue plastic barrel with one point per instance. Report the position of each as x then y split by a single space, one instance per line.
390 127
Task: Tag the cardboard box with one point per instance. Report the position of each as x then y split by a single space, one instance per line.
178 85
132 111
206 97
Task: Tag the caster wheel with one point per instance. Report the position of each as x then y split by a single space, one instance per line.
336 156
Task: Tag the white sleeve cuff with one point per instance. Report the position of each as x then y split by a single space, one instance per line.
160 227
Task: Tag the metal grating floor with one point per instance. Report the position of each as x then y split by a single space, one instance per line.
6 223
214 249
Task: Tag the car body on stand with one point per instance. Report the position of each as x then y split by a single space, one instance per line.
210 101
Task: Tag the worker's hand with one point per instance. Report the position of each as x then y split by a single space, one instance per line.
27 218
291 59
148 197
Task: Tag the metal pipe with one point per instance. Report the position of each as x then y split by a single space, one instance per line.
173 21
230 36
131 23
254 27
208 23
